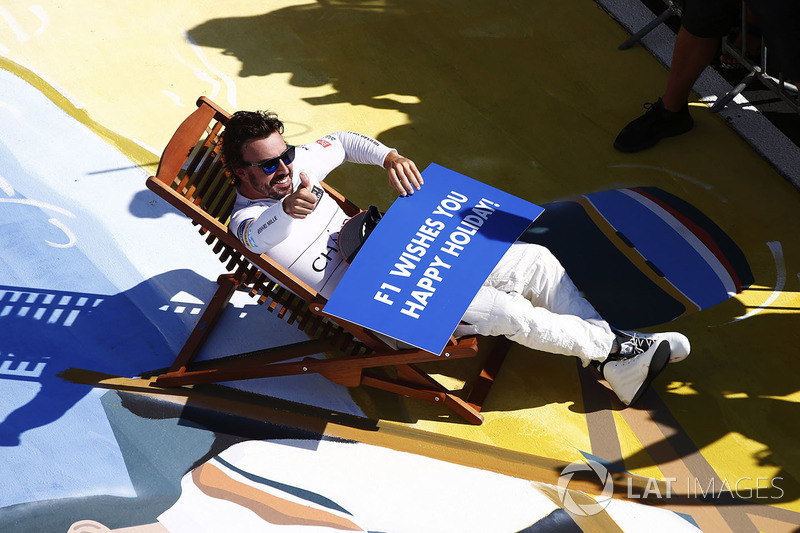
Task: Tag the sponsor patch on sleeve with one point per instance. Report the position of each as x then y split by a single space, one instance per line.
323 143
244 233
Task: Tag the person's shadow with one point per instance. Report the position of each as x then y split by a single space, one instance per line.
393 59
51 331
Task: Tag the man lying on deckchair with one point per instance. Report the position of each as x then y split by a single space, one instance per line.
281 210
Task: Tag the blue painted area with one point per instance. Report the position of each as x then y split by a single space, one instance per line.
59 309
558 521
663 246
566 229
54 427
69 298
57 330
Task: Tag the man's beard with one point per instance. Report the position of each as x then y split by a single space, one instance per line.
279 191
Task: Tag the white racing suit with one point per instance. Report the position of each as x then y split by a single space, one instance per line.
528 297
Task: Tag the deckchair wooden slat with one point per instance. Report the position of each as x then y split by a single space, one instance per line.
191 176
213 190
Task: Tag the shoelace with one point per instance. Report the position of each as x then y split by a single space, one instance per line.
634 345
652 112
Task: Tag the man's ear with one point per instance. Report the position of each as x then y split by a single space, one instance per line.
240 173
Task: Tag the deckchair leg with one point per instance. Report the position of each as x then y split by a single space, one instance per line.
248 366
227 286
463 409
480 389
415 383
460 407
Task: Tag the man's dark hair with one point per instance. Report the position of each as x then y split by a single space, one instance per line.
244 126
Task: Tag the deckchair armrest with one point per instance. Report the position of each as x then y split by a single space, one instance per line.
347 206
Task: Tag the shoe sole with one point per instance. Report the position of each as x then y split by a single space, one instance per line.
657 364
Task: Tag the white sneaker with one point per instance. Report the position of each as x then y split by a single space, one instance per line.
630 374
678 343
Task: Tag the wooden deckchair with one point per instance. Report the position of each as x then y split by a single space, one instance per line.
192 178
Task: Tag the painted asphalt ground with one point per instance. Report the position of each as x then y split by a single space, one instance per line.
83 255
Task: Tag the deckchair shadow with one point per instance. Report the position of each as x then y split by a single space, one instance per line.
192 178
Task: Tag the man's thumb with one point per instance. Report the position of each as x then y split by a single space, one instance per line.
304 181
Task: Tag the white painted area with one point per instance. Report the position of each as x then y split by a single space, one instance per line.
379 489
199 73
19 33
44 19
176 99
67 232
382 490
230 85
637 518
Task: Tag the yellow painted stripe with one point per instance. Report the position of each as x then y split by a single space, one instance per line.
136 153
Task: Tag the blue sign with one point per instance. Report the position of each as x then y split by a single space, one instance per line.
424 262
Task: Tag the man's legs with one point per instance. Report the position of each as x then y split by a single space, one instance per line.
530 299
496 312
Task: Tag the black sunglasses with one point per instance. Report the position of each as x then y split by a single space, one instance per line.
269 166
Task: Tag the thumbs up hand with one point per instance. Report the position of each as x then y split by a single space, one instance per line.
301 202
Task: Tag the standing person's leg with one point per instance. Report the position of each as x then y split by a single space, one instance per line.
690 57
669 115
703 23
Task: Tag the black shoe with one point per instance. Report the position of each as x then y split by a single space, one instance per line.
653 126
